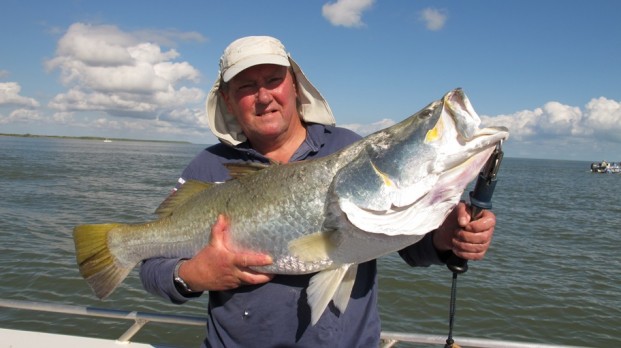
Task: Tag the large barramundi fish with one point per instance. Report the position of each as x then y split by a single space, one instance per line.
325 215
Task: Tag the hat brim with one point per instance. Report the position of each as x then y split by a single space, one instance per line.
252 61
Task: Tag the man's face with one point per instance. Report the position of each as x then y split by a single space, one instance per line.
263 99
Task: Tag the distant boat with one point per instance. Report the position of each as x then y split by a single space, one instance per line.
107 141
606 167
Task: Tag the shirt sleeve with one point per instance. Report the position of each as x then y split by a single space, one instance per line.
423 253
156 275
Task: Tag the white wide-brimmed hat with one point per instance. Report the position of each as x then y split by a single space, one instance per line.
250 51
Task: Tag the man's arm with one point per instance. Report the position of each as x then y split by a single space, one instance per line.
157 278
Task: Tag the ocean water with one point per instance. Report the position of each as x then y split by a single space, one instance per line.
552 274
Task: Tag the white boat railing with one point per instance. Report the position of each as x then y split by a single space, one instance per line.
389 339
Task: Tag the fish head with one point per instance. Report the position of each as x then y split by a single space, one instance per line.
456 140
413 173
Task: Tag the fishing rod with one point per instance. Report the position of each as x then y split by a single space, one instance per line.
480 199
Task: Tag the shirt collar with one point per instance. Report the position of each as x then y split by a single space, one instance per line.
315 139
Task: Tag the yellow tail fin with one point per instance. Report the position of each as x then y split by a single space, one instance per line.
97 264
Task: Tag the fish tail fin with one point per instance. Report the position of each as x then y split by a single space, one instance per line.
96 262
333 284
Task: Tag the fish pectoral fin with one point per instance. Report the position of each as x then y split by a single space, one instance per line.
96 263
188 190
333 284
313 247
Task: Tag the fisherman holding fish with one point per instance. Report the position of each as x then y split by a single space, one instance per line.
264 110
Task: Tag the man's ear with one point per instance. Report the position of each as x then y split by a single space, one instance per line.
226 100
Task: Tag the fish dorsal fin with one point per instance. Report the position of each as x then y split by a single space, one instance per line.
238 170
188 190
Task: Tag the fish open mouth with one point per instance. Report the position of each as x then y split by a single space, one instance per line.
479 145
462 138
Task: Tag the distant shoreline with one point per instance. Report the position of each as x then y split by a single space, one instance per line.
91 138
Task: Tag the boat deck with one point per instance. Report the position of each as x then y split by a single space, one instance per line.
29 339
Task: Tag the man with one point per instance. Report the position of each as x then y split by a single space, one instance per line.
264 109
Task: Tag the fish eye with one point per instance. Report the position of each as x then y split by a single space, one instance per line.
426 113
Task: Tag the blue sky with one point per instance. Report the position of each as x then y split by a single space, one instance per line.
548 70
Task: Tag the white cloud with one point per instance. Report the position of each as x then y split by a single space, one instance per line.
186 116
116 72
150 53
604 117
176 72
434 19
62 117
113 103
10 95
561 119
181 98
21 116
137 77
102 45
521 124
366 129
16 108
600 117
346 13
173 128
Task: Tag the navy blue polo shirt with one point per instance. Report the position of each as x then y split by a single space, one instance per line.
276 314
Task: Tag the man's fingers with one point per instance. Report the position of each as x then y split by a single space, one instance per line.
246 260
485 223
219 232
250 277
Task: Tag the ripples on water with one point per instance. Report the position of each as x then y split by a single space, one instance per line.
552 274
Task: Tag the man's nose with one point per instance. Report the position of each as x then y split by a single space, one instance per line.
263 95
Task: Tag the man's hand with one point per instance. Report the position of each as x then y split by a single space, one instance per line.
216 267
467 239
